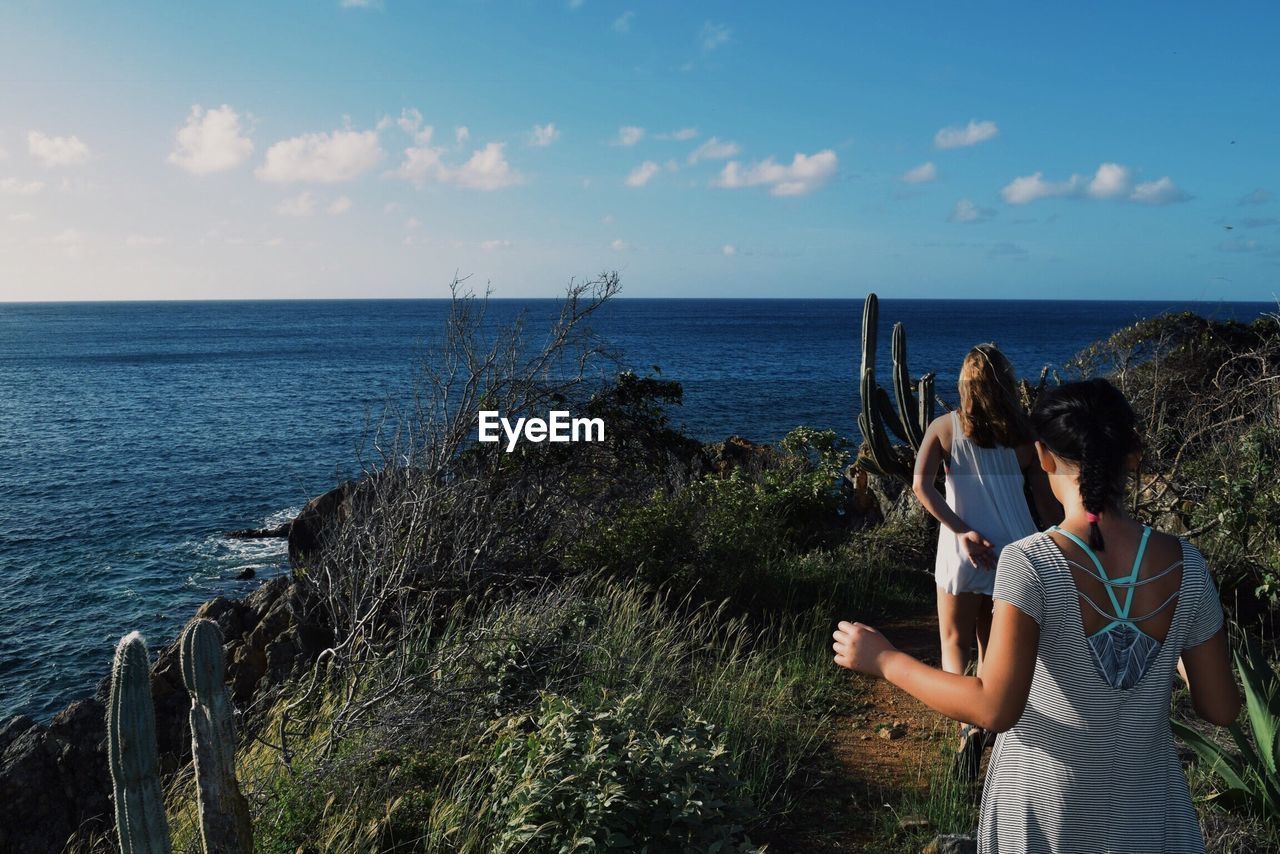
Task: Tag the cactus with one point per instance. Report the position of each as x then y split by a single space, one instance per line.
132 752
224 813
915 403
877 455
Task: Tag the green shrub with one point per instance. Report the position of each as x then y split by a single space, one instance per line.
573 778
1251 773
722 537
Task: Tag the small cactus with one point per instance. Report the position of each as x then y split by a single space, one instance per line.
224 814
132 752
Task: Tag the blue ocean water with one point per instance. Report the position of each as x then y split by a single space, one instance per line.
133 434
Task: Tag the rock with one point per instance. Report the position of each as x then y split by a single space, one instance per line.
739 453
951 843
279 532
246 574
317 519
892 732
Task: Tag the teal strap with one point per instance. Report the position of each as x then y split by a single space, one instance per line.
1102 573
1122 613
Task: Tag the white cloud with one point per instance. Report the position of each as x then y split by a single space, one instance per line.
360 4
339 206
967 211
413 223
608 219
22 216
321 158
303 204
1109 181
714 149
274 242
1160 192
629 135
543 135
210 141
643 174
494 245
54 151
805 174
18 187
622 23
681 135
922 174
714 35
620 245
728 250
461 134
487 169
136 240
576 4
1029 188
4 155
959 136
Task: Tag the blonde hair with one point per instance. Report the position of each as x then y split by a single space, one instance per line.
990 412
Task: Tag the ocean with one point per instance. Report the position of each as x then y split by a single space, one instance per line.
133 435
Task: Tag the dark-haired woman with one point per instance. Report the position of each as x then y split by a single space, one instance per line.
1093 621
986 451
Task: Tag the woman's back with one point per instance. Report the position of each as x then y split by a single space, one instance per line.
1091 764
985 487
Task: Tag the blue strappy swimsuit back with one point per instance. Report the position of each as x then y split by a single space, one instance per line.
1122 652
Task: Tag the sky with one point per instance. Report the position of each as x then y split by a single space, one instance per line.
378 148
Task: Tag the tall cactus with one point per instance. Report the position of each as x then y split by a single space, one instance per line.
224 814
877 455
915 402
132 752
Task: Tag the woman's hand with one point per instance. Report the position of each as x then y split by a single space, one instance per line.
861 648
977 549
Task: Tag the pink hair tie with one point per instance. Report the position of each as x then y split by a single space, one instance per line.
1092 517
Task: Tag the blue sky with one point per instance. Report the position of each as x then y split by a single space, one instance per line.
331 149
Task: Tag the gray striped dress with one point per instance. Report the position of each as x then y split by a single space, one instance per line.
1090 768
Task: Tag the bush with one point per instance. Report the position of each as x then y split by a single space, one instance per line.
1242 514
576 777
726 537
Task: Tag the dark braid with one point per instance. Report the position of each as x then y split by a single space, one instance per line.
1092 425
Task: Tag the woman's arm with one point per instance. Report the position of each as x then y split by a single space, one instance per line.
1047 506
1206 668
993 701
924 484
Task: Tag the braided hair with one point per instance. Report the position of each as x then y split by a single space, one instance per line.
1090 424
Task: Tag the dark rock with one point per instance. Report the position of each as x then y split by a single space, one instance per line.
317 520
279 532
951 843
246 574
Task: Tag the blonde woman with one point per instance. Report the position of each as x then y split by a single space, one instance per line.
987 452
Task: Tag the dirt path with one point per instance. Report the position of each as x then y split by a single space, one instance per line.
877 778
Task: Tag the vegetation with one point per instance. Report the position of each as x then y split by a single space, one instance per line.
626 645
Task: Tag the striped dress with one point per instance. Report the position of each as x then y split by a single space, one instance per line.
1091 768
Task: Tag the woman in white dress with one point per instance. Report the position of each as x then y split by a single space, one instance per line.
986 449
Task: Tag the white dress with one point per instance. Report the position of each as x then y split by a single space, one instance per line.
985 489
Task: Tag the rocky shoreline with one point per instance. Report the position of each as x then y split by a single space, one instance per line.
54 782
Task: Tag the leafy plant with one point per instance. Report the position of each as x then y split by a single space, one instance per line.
579 777
1251 774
